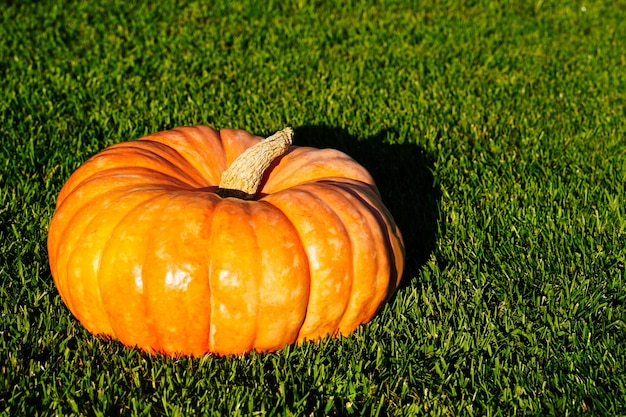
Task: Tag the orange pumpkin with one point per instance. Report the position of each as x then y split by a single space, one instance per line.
151 243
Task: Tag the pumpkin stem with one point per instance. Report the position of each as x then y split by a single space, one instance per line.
242 178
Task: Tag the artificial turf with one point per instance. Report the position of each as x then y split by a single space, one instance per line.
495 131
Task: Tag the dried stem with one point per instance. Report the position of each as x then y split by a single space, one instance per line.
242 178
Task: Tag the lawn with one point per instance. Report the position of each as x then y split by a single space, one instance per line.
495 131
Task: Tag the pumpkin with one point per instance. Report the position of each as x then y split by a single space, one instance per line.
195 240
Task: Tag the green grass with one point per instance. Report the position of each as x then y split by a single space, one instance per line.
496 134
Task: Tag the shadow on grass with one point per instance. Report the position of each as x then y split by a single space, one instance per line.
403 174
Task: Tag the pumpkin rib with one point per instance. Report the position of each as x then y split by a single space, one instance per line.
258 276
210 330
84 308
313 165
397 244
349 256
205 205
97 199
153 328
307 212
157 287
57 258
235 142
79 236
115 296
339 198
148 325
283 265
115 158
185 285
89 203
153 150
149 338
115 290
395 247
154 155
200 145
143 180
233 301
381 285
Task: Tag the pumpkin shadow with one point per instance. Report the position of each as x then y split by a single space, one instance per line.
404 176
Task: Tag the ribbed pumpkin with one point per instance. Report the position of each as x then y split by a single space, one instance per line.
155 242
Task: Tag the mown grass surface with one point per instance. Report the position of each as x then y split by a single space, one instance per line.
496 134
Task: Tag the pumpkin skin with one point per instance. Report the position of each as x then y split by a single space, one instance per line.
143 249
